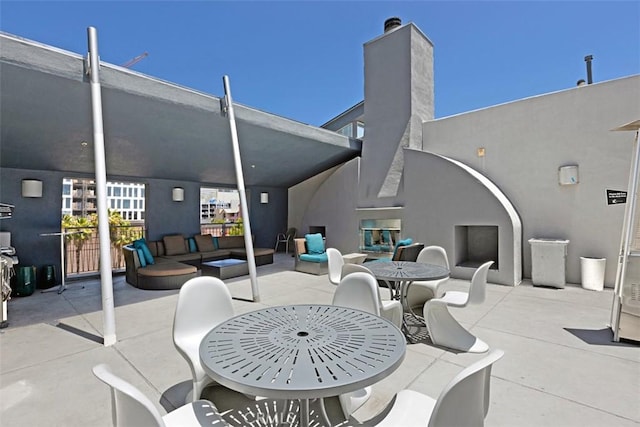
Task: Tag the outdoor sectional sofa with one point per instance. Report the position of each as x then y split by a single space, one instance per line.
177 259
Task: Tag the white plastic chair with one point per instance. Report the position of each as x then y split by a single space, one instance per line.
463 402
389 309
357 290
422 291
443 329
335 265
131 408
203 302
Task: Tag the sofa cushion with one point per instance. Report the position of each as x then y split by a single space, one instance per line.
167 269
230 242
315 243
314 257
142 244
204 242
174 245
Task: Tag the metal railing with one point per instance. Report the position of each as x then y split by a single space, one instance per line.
82 248
217 230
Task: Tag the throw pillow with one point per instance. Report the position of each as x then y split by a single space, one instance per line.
141 258
315 243
367 238
174 245
142 244
192 245
204 242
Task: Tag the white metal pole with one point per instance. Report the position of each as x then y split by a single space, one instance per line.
108 309
248 241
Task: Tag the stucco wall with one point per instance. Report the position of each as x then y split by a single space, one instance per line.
330 201
527 141
442 195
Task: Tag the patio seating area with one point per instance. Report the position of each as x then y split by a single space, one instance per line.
559 367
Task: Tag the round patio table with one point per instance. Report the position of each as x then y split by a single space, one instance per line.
398 275
302 352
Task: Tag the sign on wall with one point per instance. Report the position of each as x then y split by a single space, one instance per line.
615 197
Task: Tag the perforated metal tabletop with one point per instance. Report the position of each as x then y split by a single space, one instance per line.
302 351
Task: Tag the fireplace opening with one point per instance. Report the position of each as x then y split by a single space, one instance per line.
378 237
475 245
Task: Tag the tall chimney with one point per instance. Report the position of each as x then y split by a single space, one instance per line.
392 23
588 60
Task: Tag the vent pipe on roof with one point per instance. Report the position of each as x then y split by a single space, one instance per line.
392 23
588 60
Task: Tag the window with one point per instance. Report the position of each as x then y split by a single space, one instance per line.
66 189
117 191
126 203
359 130
346 130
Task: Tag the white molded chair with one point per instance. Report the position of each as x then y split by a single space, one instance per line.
357 290
422 291
131 408
389 309
463 402
203 302
443 329
335 265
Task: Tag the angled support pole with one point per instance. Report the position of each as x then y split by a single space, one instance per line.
106 278
227 107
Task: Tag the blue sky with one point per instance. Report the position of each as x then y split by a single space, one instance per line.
304 59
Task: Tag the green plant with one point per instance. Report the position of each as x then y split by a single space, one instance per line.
237 229
80 230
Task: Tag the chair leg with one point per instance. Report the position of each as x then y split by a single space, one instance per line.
445 331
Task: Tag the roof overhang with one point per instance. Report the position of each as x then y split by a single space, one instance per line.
152 128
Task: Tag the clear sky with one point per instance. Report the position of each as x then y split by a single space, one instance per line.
304 59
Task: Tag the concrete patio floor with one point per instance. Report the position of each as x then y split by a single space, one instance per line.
560 366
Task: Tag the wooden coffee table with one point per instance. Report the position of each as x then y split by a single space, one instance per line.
225 268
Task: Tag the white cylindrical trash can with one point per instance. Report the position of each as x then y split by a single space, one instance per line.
592 269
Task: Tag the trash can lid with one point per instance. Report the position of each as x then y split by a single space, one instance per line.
549 241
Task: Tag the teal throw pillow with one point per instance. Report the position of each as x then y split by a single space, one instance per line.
142 244
143 261
192 245
315 243
367 237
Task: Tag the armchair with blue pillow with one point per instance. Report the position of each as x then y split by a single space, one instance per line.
310 254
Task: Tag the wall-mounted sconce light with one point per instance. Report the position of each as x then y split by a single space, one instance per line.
568 175
264 197
31 188
178 194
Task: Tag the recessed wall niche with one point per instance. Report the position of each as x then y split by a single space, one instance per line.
475 245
